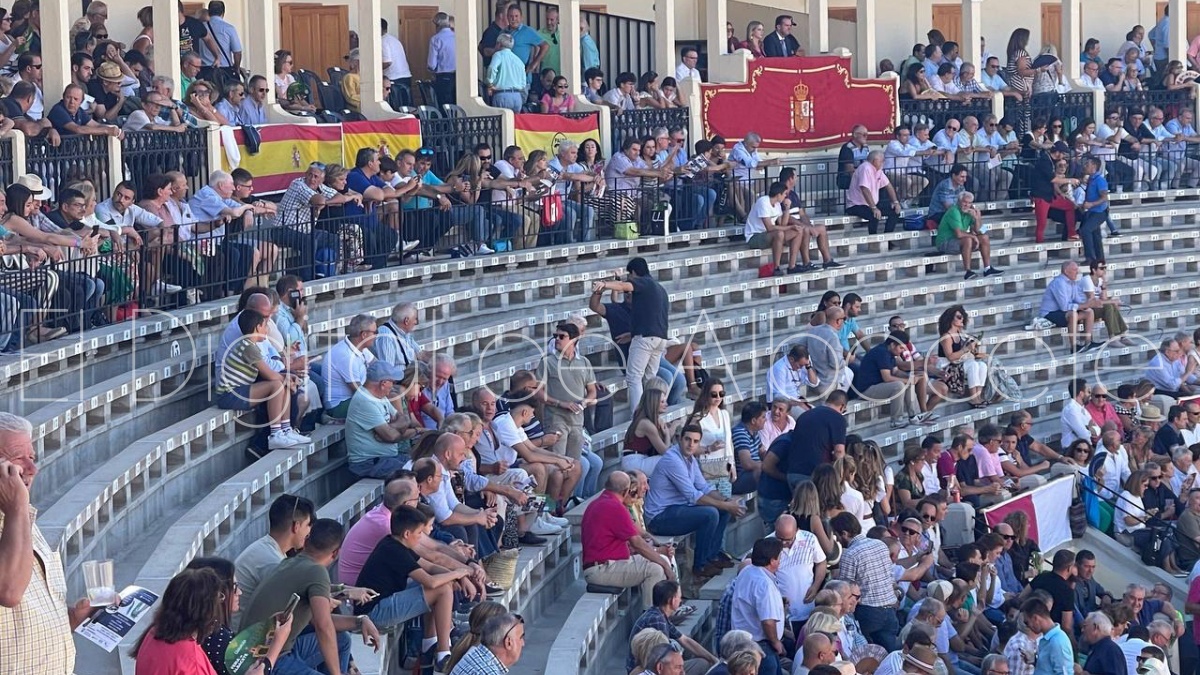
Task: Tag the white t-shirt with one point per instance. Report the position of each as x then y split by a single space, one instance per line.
1129 505
763 208
508 172
508 434
795 575
393 53
345 364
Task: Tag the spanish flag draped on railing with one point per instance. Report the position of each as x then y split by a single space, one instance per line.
545 132
286 150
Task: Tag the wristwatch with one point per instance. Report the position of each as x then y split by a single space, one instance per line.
358 621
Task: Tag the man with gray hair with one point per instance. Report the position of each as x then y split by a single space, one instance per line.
959 232
609 536
395 343
574 176
1105 656
441 389
35 624
501 640
1065 305
147 118
664 659
1169 371
378 437
442 60
346 365
165 86
506 77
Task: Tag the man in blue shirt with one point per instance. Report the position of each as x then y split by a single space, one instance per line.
1095 207
1055 655
693 200
1064 305
679 502
379 239
876 380
213 206
474 216
527 44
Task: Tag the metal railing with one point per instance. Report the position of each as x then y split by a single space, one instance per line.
7 172
643 121
1170 101
451 137
150 152
1072 108
935 113
76 157
624 44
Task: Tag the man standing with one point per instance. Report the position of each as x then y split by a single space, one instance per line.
35 624
1057 582
442 62
782 42
802 567
868 563
1055 655
609 536
819 438
501 639
758 606
648 326
395 61
527 45
680 502
1187 533
570 389
550 36
228 56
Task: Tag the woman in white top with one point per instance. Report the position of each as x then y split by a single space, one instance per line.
1130 513
852 500
716 441
1095 287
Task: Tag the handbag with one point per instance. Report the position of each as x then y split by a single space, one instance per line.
626 230
552 211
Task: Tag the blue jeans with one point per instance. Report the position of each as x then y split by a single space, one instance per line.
592 464
673 376
397 608
507 222
586 221
1089 232
966 667
879 624
305 657
378 467
707 522
770 661
694 204
513 100
770 510
476 218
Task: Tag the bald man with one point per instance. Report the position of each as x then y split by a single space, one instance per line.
802 567
480 528
609 538
252 298
818 651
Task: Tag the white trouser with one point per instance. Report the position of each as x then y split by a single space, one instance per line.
644 355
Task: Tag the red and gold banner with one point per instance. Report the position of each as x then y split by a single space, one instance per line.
286 151
545 132
800 103
389 137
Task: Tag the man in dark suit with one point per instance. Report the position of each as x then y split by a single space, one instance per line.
782 42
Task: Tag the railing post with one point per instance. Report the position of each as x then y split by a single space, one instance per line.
17 138
116 168
213 149
998 105
1098 106
695 125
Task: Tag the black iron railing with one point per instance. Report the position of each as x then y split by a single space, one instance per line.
935 113
1170 101
624 44
7 173
1072 108
451 137
643 121
76 157
150 152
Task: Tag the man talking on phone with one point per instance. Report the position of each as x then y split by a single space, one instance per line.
291 318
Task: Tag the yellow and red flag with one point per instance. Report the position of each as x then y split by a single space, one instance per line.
545 132
389 137
286 151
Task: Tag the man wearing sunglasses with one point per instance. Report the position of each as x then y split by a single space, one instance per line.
253 109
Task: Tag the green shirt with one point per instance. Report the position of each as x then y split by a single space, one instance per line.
567 381
241 365
300 575
551 59
367 412
953 222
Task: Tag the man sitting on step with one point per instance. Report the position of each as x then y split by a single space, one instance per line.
667 598
609 538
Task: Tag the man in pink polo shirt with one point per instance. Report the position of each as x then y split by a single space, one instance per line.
608 535
987 455
871 195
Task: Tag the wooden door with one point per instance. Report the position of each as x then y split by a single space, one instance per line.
415 29
1193 17
844 14
948 19
1051 28
598 9
318 36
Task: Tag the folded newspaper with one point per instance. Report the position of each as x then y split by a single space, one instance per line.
107 626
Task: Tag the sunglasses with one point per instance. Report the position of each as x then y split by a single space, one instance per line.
928 518
1008 537
485 158
520 621
718 394
425 152
561 336
907 530
951 128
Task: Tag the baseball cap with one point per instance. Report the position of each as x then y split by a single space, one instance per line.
381 370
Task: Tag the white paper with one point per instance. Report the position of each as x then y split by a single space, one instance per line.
107 626
994 162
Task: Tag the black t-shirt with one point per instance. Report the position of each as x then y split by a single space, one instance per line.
650 308
488 40
1043 172
191 33
386 570
95 89
877 359
967 470
771 488
12 108
1059 589
811 442
620 319
1164 438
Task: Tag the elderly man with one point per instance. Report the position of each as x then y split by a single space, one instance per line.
501 639
572 176
610 537
374 429
1154 138
745 159
298 209
802 567
959 232
1169 371
147 119
478 527
990 149
189 70
396 343
1105 656
680 502
871 195
868 563
35 622
346 367
667 598
69 118
442 61
165 86
213 206
506 79
1065 305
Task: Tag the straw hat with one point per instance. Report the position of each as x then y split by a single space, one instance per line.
36 186
1151 413
110 71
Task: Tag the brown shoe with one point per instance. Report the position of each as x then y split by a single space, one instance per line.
722 563
708 571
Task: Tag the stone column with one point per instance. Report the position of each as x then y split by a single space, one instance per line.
818 27
1178 36
865 59
665 54
166 41
466 37
570 56
370 68
972 29
1072 32
715 16
56 49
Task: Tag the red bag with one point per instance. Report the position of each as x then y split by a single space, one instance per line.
552 210
765 271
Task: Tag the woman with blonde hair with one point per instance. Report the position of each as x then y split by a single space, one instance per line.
806 509
333 219
852 499
647 438
875 480
144 42
754 39
199 101
642 644
716 443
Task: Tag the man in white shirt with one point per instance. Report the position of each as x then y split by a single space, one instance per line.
1091 76
943 81
1177 149
757 606
990 148
465 523
346 365
901 165
1116 462
1076 422
395 61
688 58
768 225
790 377
947 141
1154 135
573 175
802 567
933 156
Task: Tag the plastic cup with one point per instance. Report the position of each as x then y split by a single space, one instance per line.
98 577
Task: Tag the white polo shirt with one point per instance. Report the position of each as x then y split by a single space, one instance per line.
345 364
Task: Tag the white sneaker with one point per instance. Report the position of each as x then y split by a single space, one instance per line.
163 288
298 436
483 250
543 529
556 521
406 246
281 441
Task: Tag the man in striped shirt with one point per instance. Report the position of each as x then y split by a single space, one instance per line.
747 447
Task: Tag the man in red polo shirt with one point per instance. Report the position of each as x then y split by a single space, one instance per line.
609 536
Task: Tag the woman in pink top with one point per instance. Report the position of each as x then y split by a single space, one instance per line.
559 99
192 607
866 186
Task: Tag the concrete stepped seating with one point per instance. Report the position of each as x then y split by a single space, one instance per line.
351 503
